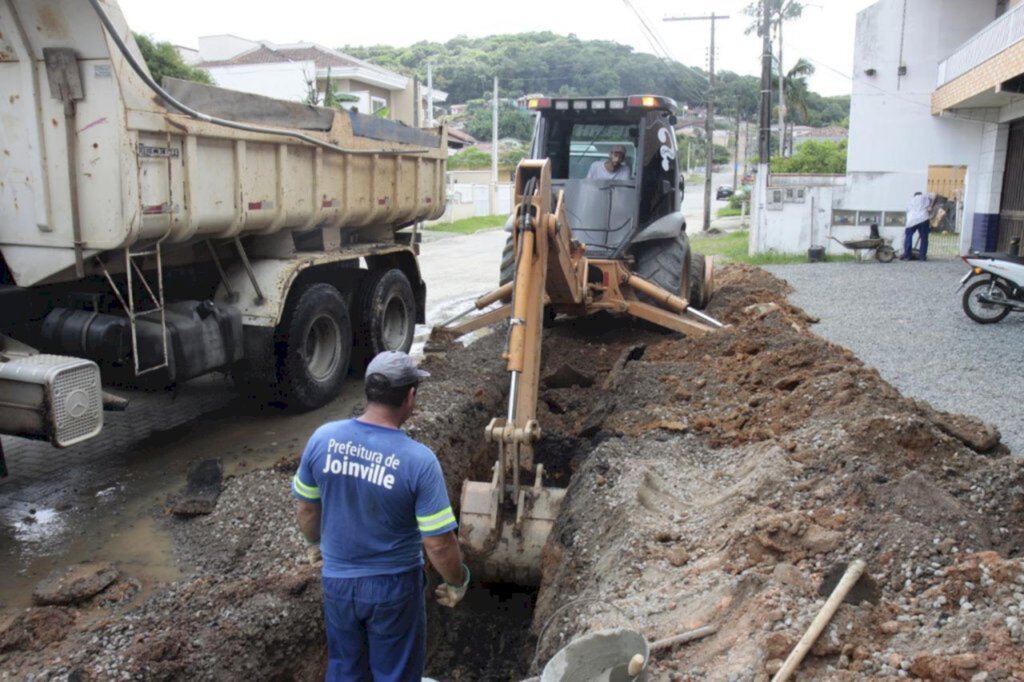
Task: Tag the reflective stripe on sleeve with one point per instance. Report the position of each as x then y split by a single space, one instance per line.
435 521
310 492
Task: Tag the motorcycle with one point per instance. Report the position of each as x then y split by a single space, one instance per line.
989 300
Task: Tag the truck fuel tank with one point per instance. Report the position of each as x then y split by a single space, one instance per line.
201 336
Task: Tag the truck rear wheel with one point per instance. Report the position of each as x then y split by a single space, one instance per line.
313 346
385 316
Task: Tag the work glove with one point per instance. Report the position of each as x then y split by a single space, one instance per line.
451 595
313 554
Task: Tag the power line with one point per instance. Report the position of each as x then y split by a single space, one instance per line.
660 51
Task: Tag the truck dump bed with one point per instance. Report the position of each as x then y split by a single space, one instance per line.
93 160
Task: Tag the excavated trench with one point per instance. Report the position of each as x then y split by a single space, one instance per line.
491 635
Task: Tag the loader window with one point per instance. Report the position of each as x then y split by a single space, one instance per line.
591 142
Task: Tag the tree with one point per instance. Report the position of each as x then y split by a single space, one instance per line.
469 158
512 121
694 150
797 91
332 97
163 59
814 157
559 65
509 156
536 62
780 10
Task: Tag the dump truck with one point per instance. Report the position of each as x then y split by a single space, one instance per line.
152 233
577 246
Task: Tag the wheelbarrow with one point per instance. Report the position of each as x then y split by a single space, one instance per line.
876 245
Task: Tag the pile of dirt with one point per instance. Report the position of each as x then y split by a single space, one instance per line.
720 480
733 473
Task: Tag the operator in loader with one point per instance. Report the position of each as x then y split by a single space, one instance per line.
612 168
374 499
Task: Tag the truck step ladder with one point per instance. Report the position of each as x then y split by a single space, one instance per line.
130 301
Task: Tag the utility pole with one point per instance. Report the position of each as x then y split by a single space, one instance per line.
736 154
709 122
765 141
782 93
494 152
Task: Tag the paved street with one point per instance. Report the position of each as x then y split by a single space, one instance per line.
99 500
905 320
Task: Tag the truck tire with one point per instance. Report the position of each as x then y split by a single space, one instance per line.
312 347
697 296
385 315
663 262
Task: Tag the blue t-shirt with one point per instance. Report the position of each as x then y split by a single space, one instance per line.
380 492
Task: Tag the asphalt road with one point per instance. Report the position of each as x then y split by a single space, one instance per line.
693 200
905 319
99 500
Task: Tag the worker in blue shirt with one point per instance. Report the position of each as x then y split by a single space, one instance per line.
374 499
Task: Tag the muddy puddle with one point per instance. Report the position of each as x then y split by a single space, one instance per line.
121 517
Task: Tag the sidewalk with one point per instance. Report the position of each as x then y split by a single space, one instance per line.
731 224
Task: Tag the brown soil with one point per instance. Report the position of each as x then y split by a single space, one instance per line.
719 480
736 470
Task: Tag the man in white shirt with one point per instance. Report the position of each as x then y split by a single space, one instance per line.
612 168
918 215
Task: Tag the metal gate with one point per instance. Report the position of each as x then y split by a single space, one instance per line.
947 184
1011 207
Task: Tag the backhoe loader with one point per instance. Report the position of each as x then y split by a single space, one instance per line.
577 246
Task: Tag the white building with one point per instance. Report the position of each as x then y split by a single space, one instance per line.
292 71
936 96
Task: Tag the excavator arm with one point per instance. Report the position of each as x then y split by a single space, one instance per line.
506 522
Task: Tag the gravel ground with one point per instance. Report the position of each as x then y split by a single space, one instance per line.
905 319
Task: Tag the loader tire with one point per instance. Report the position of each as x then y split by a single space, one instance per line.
697 296
664 262
385 316
508 263
508 272
312 347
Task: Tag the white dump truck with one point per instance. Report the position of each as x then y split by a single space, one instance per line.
157 232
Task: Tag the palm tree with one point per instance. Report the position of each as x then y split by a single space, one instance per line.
797 93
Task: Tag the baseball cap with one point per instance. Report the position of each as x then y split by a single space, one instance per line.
397 367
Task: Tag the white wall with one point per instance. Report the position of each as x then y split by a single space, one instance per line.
283 81
188 55
793 227
219 48
893 135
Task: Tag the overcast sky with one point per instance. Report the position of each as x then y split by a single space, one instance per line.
823 35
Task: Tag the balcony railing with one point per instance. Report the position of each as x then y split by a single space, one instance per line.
987 43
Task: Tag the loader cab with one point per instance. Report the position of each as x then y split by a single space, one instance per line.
575 133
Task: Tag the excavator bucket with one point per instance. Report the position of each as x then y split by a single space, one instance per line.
504 542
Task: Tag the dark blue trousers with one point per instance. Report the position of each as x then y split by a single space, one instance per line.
923 228
376 628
